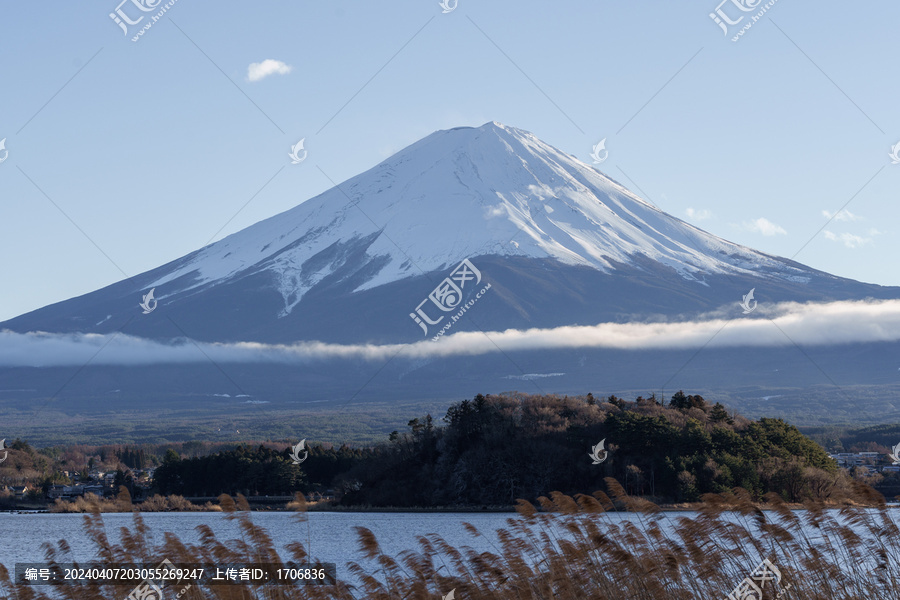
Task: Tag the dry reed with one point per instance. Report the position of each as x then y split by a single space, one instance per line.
601 546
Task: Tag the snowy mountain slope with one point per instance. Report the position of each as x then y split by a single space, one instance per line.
560 242
467 192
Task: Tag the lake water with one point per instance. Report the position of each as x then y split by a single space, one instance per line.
331 536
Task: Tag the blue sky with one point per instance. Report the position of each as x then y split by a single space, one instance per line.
125 155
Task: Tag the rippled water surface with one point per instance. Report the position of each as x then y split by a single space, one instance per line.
331 536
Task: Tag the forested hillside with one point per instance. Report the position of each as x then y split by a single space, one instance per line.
493 450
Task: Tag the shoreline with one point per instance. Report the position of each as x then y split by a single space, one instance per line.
694 508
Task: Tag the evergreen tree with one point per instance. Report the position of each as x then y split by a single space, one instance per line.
719 414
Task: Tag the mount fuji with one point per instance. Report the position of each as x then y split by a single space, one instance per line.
561 243
558 242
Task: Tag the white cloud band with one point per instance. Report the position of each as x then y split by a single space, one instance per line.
804 324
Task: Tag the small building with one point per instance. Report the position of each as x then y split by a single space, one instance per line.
65 491
56 491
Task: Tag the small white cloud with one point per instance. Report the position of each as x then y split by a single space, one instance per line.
491 212
261 70
851 240
699 214
763 226
842 215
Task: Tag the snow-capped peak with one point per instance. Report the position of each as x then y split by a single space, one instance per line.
462 193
